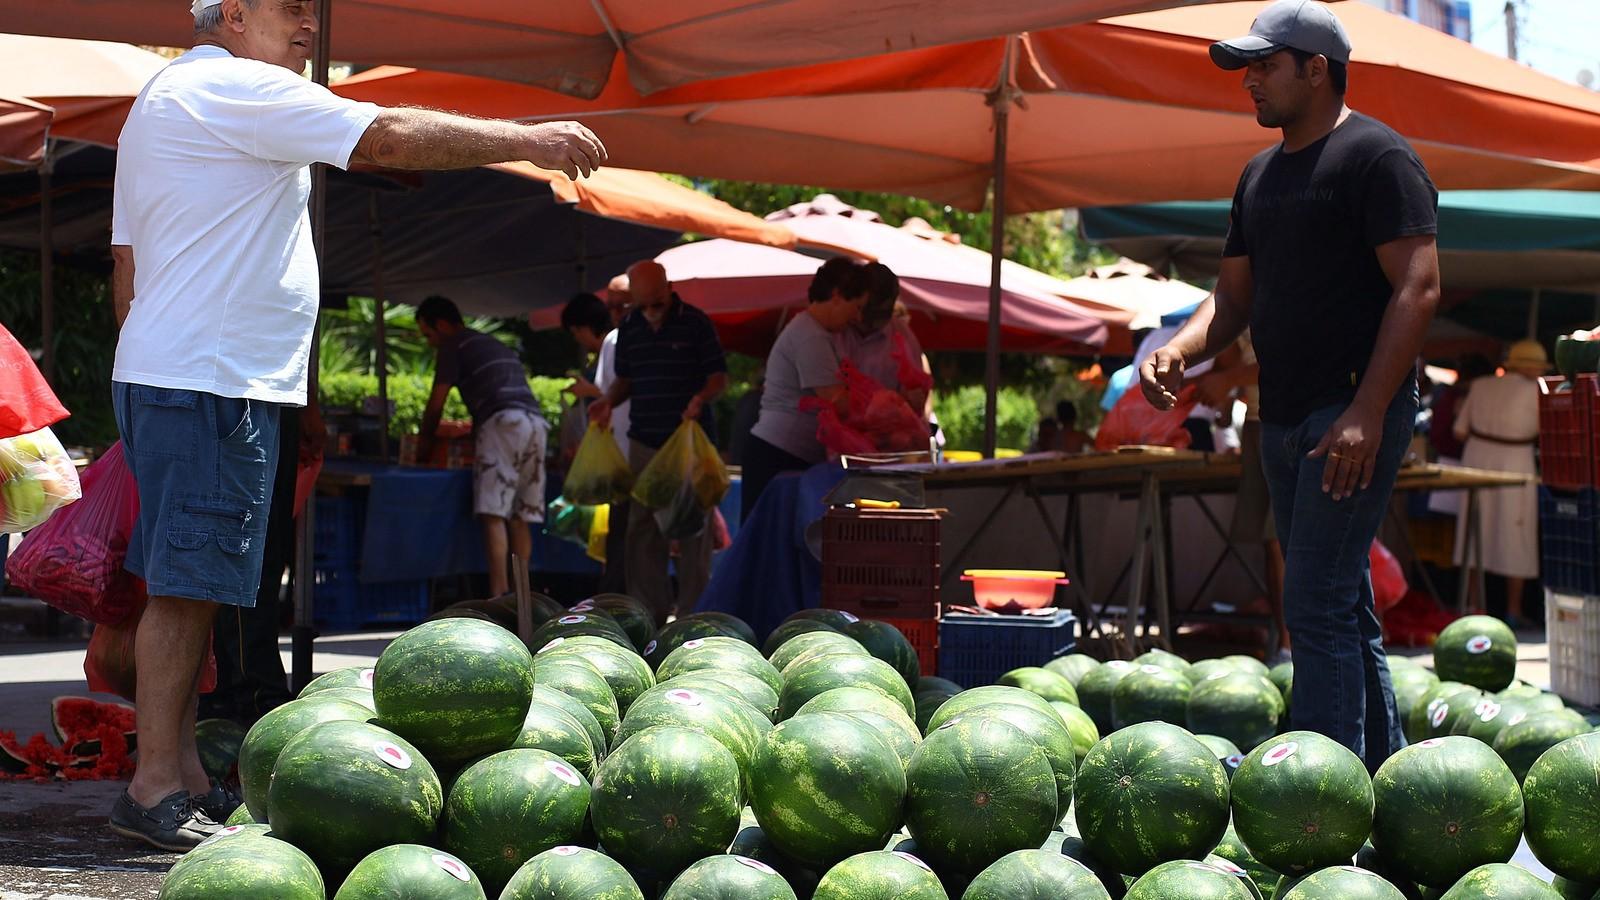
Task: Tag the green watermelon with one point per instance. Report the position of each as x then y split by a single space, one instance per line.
1245 709
543 693
244 867
826 787
1035 875
1343 883
881 875
266 739
933 683
1410 685
1425 717
237 829
1073 666
1523 743
572 873
581 681
792 629
1073 847
552 729
1043 682
1302 802
978 698
1444 807
219 741
1282 678
836 619
592 623
350 677
720 654
636 619
1228 865
1228 753
1048 732
738 685
506 809
1151 693
752 842
808 679
676 633
855 699
1082 729
729 625
341 790
1575 890
1163 659
1562 793
1465 709
411 872
1477 650
359 696
241 816
889 644
733 723
1543 702
977 789
455 688
1521 689
1233 850
1498 881
625 671
1248 665
1131 788
729 878
666 797
1188 879
1493 716
815 643
1207 668
928 705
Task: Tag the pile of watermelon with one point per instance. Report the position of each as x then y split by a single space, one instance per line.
608 760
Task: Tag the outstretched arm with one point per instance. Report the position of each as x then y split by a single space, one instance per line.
412 138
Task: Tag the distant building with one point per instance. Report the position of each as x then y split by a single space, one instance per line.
1453 17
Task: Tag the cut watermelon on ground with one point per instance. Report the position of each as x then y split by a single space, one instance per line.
509 807
1302 802
244 867
1036 875
881 874
74 717
729 878
1562 794
411 872
1445 807
572 873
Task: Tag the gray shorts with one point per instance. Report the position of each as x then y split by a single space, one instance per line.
509 472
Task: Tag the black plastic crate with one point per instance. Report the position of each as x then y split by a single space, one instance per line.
976 650
1569 524
342 603
338 529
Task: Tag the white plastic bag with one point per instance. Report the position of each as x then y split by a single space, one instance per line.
36 479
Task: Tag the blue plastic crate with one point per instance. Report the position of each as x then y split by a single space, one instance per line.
338 529
342 602
1569 524
977 650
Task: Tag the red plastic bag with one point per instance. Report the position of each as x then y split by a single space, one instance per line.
1388 579
838 438
305 482
1133 421
26 402
109 664
876 420
908 370
74 560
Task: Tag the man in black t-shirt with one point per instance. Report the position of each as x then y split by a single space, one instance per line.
1331 262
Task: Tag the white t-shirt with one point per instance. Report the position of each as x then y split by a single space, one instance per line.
212 182
803 360
605 374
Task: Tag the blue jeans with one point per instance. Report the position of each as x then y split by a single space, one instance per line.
1342 687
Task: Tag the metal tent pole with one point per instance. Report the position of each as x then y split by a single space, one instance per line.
1001 102
47 265
381 326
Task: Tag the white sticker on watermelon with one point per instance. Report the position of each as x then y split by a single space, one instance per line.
1218 676
566 851
1517 719
695 644
392 756
583 606
949 724
1440 713
1227 866
1487 711
1234 761
756 864
1430 743
1151 670
912 859
572 620
684 697
850 617
454 867
554 643
365 680
1480 645
1280 753
649 648
562 772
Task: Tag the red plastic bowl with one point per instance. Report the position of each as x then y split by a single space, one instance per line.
1013 590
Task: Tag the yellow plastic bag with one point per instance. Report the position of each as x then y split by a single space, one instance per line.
599 474
684 481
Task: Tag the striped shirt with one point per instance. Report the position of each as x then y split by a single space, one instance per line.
665 368
488 374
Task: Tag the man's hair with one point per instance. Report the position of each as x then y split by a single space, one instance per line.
1067 413
883 290
210 18
438 309
841 274
1338 72
586 311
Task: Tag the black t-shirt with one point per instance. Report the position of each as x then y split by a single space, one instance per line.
1310 222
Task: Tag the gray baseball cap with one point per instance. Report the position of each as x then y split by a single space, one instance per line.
1306 25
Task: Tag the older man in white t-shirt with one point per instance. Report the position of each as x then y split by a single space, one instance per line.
216 287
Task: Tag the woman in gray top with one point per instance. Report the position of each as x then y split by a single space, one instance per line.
803 363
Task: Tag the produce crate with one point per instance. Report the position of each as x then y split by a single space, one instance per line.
1569 526
976 650
924 637
1567 433
338 527
1573 624
881 563
342 602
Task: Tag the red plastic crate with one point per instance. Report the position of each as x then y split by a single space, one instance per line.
1567 438
881 563
924 637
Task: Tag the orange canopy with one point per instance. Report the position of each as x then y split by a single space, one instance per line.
24 125
90 85
569 45
1123 110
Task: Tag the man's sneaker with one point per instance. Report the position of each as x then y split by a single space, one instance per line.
172 824
219 803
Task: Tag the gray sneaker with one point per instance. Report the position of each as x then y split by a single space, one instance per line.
174 824
219 803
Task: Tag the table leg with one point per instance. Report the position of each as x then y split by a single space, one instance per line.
303 636
1478 575
1469 551
1161 551
1143 538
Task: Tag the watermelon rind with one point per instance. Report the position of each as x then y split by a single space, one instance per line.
1443 808
411 872
245 867
572 873
1302 802
507 808
1562 794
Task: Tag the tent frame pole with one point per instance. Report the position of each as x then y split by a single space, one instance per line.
1001 102
380 320
47 264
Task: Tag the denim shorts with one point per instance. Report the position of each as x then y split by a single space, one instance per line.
205 467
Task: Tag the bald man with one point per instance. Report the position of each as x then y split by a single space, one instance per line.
670 366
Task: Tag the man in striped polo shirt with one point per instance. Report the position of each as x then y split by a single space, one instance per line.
669 366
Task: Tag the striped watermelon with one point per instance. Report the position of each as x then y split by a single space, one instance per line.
1520 745
1574 890
267 737
581 681
836 619
1245 709
1228 865
731 722
1188 879
1499 881
1206 668
1036 875
1163 659
506 809
719 654
543 693
1562 793
815 643
625 671
218 741
341 790
1248 665
592 623
1082 729
889 644
676 633
874 710
1420 724
550 728
1073 667
350 677
1228 753
978 789
737 685
727 624
752 842
978 698
928 705
729 878
1410 685
1046 730
805 680
1073 847
881 875
1149 794
244 867
1477 650
636 619
241 816
1445 807
572 873
1233 850
1151 693
1043 682
411 872
665 798
1342 883
826 787
1302 802
792 629
455 688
